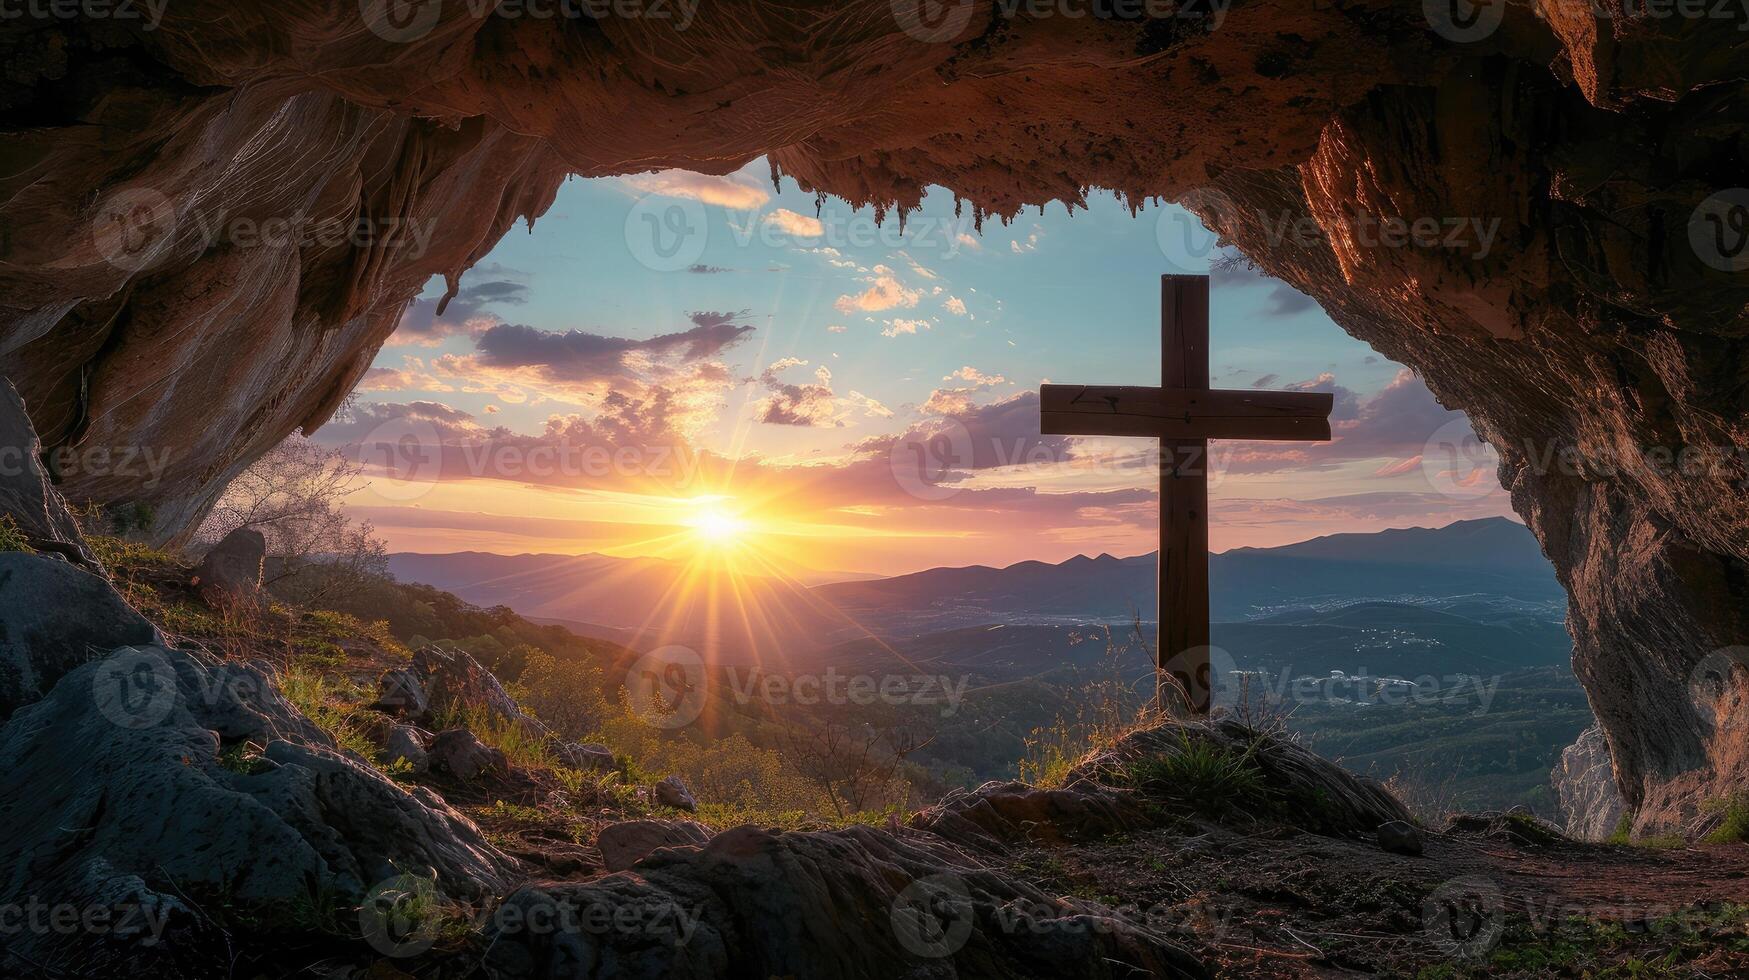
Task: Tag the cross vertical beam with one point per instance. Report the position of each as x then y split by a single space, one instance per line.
1183 571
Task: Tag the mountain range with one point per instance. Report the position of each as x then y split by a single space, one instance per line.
1473 596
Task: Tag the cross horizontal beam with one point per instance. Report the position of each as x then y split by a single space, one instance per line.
1184 413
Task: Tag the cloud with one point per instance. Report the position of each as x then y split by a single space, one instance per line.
999 434
977 378
1392 425
836 328
917 267
1029 243
885 292
700 269
791 223
466 313
954 305
1400 467
1284 300
967 241
1266 381
870 407
388 422
578 356
723 192
896 327
411 376
1232 270
812 404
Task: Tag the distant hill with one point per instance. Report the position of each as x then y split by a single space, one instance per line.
1376 638
642 602
1493 557
1473 585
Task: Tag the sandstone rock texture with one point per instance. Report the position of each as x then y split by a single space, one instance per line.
1585 788
1595 337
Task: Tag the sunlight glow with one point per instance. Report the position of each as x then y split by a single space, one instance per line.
713 525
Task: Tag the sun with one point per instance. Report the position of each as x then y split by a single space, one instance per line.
712 525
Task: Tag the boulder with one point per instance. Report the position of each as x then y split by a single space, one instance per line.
54 617
455 684
1312 792
457 752
672 791
26 494
1515 826
853 903
589 757
400 693
1584 780
406 743
129 749
1401 837
998 815
229 576
625 844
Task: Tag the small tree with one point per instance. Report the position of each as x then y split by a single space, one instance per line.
858 766
293 496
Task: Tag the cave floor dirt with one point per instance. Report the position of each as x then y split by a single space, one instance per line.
1286 904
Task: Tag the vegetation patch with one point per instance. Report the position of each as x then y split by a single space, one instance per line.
1211 778
1734 820
11 537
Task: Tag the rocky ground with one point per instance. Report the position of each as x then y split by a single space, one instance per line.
252 837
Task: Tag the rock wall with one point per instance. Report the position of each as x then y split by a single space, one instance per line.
1584 785
149 301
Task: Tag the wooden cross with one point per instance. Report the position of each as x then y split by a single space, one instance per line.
1184 414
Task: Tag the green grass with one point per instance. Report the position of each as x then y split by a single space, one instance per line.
11 538
242 759
1735 824
522 747
1209 777
1623 834
331 702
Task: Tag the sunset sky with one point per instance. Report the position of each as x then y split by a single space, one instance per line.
673 363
